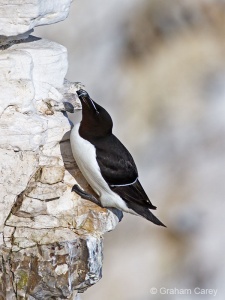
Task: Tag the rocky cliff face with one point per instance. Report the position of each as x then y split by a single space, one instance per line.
163 67
50 239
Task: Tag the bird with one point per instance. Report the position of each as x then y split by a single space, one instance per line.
106 164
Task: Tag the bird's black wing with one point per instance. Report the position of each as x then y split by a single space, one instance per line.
133 193
136 199
116 163
119 170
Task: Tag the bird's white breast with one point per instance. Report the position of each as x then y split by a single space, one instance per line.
85 155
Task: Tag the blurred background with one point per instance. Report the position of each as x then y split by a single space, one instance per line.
158 67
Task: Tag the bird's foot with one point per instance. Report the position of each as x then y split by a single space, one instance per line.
85 195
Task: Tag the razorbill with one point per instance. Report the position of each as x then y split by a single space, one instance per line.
106 164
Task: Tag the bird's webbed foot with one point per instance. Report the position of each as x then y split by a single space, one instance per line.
85 195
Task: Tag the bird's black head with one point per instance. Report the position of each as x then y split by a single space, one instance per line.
96 121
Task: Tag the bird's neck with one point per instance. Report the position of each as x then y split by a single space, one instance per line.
89 130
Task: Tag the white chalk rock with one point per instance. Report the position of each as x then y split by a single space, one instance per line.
32 70
51 175
43 225
14 124
19 18
16 84
15 170
50 64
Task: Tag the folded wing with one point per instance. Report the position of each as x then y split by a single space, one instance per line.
134 193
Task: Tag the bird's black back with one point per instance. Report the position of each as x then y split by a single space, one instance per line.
116 163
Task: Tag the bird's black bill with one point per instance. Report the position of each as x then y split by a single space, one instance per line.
86 100
68 107
82 93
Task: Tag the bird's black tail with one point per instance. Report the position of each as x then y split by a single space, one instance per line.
146 213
